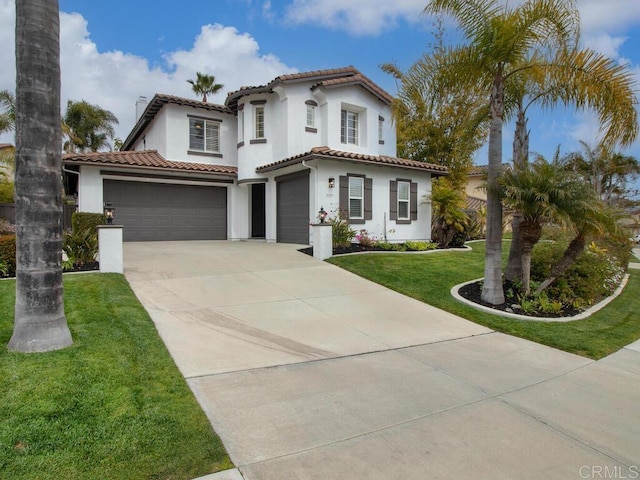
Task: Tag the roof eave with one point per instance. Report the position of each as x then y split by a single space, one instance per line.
149 168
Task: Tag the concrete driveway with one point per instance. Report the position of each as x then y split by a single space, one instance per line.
309 372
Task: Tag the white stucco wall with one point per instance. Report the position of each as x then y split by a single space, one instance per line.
155 136
90 190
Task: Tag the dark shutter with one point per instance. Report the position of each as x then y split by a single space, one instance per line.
413 201
344 197
368 198
393 200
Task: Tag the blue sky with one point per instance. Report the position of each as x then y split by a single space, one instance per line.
113 52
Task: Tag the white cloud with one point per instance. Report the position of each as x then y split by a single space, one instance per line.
605 43
114 80
358 17
610 15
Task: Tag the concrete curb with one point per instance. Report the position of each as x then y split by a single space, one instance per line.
587 313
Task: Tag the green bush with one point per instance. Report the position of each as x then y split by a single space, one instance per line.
81 221
342 233
81 246
8 254
6 192
595 274
420 246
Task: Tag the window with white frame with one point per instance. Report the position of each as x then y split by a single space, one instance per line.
356 198
380 130
258 117
404 190
241 126
204 135
349 127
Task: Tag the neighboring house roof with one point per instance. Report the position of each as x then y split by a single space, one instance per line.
330 154
145 159
331 78
158 101
483 170
475 203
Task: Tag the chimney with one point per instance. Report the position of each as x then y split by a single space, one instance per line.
141 104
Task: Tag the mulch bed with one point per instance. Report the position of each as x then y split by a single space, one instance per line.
87 267
473 293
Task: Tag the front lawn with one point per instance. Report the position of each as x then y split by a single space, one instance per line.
429 278
112 406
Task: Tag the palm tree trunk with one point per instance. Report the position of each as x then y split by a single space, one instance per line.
513 271
492 289
530 234
569 257
40 323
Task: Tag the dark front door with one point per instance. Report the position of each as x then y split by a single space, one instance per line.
258 210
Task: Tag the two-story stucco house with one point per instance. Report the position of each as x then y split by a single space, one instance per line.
262 165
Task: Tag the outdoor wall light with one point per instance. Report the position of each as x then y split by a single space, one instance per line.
332 182
109 212
322 214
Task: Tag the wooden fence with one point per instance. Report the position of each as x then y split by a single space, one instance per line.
8 212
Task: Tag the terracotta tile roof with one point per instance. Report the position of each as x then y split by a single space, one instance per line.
334 77
158 101
147 159
328 153
475 203
482 170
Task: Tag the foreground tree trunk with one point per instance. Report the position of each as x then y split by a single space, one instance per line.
530 234
513 271
40 323
492 288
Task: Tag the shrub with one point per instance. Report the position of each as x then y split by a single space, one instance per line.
81 221
385 245
420 246
6 227
342 233
364 239
8 253
81 246
6 192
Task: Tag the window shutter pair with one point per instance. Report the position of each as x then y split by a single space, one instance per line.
344 200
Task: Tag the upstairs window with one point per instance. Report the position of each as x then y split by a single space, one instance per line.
204 135
258 117
241 126
381 130
311 113
349 127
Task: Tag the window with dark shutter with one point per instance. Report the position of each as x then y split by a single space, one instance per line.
403 201
356 198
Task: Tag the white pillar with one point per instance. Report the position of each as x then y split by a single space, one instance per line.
322 240
110 248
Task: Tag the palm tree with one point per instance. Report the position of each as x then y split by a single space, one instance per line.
543 192
40 323
87 127
583 78
606 170
8 114
503 41
204 85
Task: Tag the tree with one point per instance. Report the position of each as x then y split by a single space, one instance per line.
543 192
583 78
40 323
607 171
8 113
502 41
449 217
87 127
204 85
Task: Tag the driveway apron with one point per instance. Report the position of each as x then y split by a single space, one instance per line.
308 371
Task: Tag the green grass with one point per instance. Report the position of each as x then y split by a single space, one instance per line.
429 278
112 406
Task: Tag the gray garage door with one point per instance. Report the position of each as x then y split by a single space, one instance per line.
293 208
159 211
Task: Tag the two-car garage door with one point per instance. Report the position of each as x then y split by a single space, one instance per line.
160 211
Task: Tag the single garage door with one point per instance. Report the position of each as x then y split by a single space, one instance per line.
293 208
161 211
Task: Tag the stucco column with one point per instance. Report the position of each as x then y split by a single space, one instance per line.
322 240
110 248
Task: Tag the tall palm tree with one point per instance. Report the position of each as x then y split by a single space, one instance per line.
8 113
40 323
204 85
583 78
87 127
543 192
502 41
